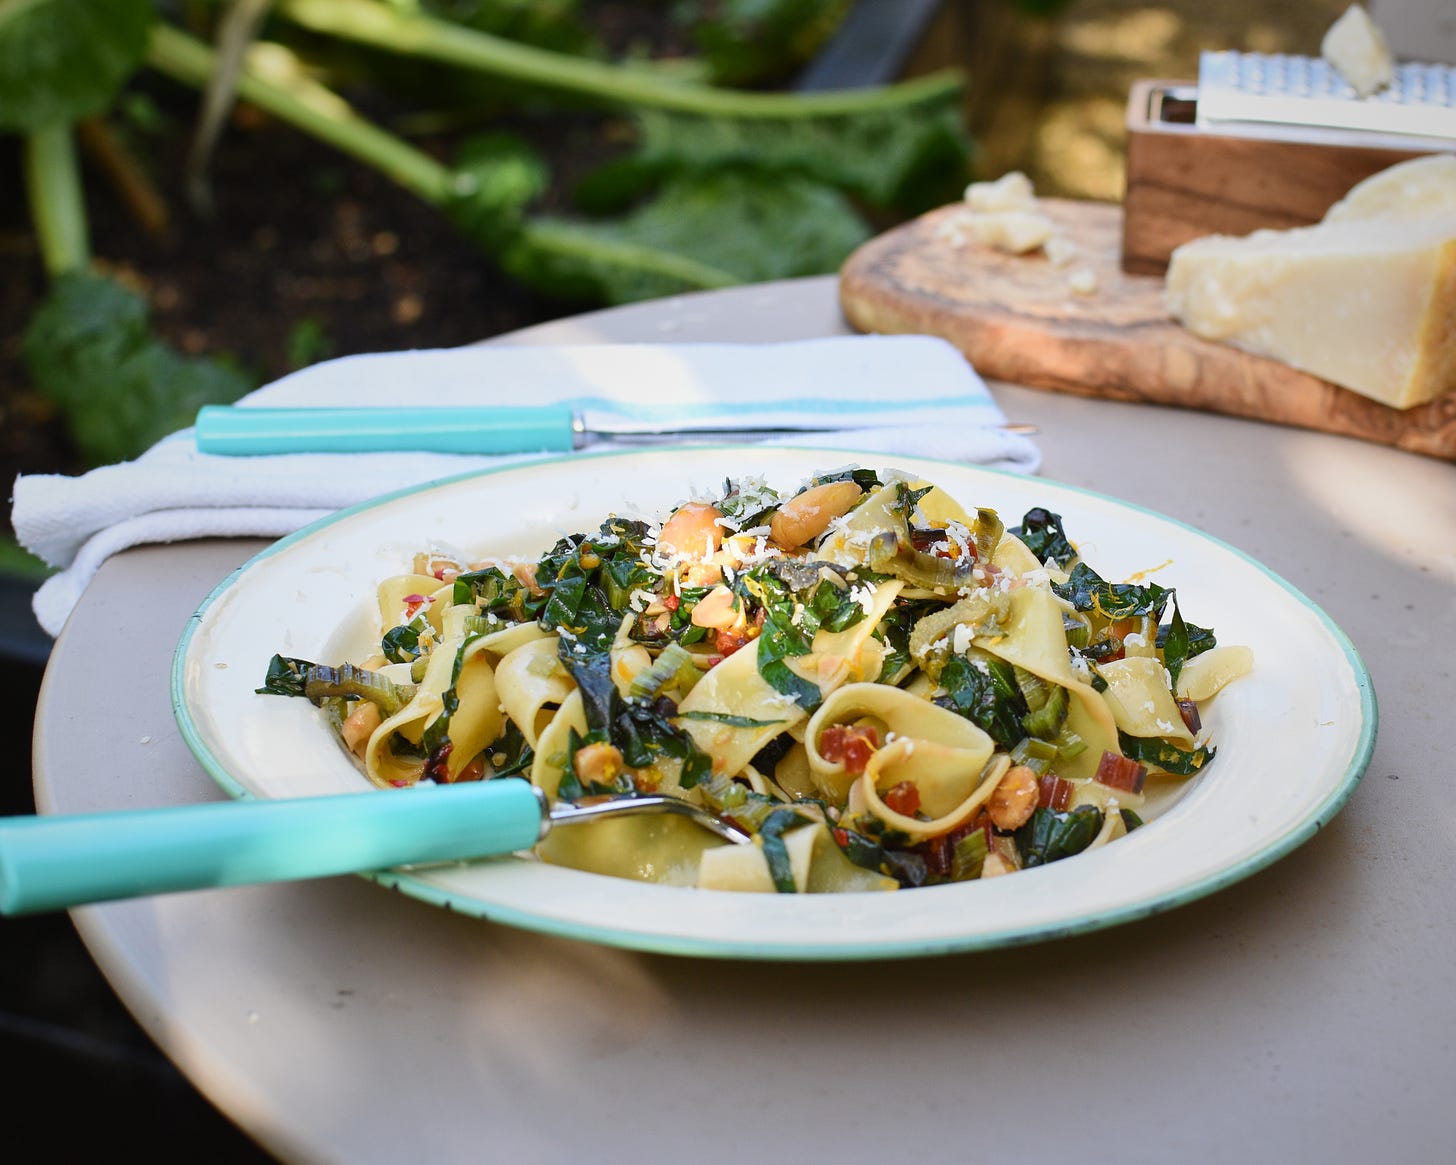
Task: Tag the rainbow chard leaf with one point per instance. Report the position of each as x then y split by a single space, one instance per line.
62 60
497 176
89 349
752 42
907 154
698 233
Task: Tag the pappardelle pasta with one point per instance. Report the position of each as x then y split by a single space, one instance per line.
885 689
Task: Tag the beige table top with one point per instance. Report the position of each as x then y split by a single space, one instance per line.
1304 1014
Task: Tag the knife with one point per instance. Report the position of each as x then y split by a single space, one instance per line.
241 432
54 862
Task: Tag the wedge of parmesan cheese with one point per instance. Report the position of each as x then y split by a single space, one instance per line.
1420 188
1365 298
1369 304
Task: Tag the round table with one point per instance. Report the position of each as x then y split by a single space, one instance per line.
1306 1013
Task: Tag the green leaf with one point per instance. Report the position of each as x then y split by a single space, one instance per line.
1086 590
701 232
554 24
88 348
62 60
1050 836
794 609
286 676
308 343
728 719
511 755
497 176
910 157
776 852
1180 641
587 601
402 644
1042 532
751 42
18 563
1160 754
983 689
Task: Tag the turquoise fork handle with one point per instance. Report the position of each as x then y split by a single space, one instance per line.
518 429
55 862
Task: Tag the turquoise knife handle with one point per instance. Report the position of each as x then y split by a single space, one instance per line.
55 862
238 432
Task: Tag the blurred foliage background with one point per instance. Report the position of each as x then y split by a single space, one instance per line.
204 194
590 153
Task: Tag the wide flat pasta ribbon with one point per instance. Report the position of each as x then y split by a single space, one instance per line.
732 712
1033 640
942 752
1141 703
533 683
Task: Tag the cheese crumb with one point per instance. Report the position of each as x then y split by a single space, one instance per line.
1060 250
1011 191
1356 49
1014 231
1082 281
1006 216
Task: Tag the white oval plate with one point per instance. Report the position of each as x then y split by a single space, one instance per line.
1293 738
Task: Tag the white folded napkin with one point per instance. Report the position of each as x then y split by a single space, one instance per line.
909 395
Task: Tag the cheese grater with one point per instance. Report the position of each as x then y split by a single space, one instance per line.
1270 92
1266 140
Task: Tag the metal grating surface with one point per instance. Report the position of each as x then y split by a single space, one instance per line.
1264 88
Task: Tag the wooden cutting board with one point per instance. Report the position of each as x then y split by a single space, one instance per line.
1016 319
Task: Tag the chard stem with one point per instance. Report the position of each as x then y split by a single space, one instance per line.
419 35
289 95
57 202
559 238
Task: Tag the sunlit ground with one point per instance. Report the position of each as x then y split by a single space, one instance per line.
1050 97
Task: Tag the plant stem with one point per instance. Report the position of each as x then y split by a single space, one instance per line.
292 97
57 203
418 35
558 239
132 185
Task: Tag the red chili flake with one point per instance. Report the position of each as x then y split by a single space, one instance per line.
841 838
672 602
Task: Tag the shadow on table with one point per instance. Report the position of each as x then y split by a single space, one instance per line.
85 1077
